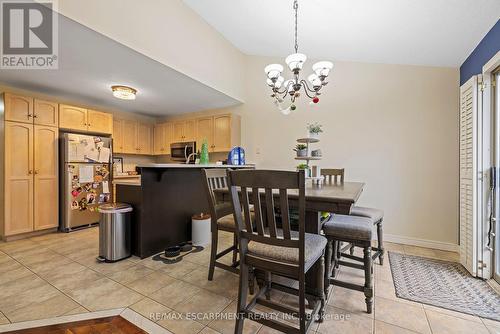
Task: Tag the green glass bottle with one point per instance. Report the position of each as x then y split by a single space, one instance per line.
204 153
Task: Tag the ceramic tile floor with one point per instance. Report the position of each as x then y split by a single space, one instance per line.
57 274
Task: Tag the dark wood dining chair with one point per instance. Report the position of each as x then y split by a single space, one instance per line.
278 251
221 215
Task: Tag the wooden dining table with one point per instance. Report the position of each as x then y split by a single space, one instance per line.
327 197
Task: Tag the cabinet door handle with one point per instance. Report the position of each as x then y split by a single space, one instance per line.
35 116
36 171
30 115
30 172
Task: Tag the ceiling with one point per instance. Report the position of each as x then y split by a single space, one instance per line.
416 32
90 63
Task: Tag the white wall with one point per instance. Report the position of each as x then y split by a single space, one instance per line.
393 127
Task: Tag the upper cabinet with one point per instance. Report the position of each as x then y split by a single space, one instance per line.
163 137
184 130
73 118
26 109
222 132
81 119
132 137
46 113
99 121
18 108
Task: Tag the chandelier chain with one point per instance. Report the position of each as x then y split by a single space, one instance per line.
295 7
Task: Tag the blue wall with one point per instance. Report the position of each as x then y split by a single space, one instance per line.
483 52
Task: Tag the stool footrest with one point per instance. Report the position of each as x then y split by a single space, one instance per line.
350 264
347 285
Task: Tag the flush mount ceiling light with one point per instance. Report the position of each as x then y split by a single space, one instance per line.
292 87
124 92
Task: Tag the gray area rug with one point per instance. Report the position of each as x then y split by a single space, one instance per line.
444 284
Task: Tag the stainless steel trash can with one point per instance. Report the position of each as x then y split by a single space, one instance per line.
114 232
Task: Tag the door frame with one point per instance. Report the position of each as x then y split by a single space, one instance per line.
491 106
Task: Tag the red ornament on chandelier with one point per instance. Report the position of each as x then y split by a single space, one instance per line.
315 99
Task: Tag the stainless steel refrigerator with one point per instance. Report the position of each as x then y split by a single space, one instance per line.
85 173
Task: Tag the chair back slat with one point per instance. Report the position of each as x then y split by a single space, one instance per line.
335 175
258 211
271 218
215 179
285 214
246 208
272 186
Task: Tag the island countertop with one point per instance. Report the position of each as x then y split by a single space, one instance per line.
173 165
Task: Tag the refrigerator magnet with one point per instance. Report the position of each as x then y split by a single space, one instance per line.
83 204
91 208
74 193
97 178
87 186
74 205
90 198
95 185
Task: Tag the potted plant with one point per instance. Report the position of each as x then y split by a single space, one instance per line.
314 130
301 150
305 167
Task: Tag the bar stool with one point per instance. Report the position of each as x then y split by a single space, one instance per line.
358 232
376 216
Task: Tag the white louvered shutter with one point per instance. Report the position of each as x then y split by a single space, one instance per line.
468 175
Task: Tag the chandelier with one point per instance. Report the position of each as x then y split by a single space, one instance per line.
281 88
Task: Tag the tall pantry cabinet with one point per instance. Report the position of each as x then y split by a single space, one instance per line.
30 169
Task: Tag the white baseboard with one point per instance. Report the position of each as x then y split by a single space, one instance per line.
421 242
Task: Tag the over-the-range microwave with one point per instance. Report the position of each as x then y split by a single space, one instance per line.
181 151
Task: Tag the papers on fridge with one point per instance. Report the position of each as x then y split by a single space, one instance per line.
86 174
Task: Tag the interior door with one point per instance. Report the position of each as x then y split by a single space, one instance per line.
99 122
129 137
494 240
46 113
73 118
19 178
117 136
222 133
45 177
205 131
18 108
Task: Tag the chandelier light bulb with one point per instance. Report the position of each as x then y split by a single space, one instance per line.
295 61
273 71
322 68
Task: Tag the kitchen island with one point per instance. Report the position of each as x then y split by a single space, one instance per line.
164 201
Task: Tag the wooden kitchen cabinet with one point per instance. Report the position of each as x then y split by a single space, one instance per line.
31 178
132 137
163 134
81 119
19 178
184 130
222 132
117 136
72 118
46 113
45 174
129 138
205 131
98 121
18 108
144 138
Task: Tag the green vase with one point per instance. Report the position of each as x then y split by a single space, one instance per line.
204 153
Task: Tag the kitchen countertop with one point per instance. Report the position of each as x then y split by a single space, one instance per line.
192 166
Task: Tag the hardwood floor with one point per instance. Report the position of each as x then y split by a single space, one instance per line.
109 325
